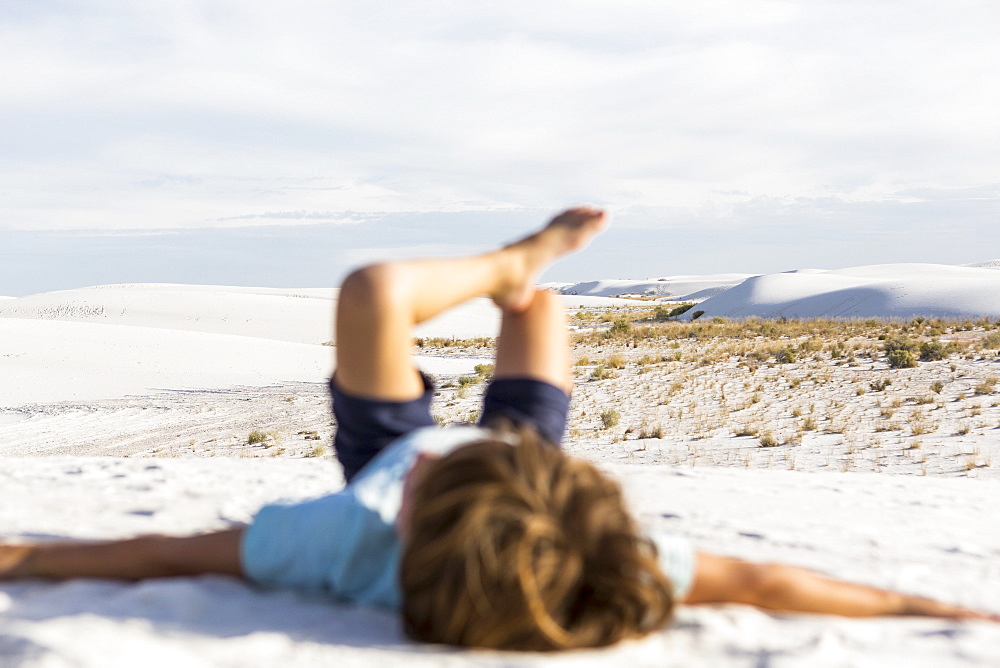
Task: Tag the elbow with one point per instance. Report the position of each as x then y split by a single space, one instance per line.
768 585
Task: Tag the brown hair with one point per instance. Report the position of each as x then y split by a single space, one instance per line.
524 548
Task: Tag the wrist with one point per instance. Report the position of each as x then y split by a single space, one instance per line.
16 561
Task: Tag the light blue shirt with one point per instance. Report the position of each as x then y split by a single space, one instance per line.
345 544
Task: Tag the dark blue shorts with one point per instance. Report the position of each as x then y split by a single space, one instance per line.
365 426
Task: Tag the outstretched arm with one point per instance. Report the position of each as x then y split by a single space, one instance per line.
134 559
788 588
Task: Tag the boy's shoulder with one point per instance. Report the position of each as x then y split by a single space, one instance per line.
379 485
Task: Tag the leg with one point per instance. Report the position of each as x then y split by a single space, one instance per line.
532 381
379 305
378 395
534 343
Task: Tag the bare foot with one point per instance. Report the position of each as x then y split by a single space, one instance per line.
567 232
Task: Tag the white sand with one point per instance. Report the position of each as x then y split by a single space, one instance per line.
680 287
143 410
298 316
887 290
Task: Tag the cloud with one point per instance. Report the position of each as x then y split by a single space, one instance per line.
185 114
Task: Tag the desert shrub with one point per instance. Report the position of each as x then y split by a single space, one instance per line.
767 440
785 356
601 373
651 432
880 384
615 362
811 345
610 418
932 351
664 313
619 328
902 359
937 386
986 387
661 313
256 436
697 314
484 370
992 341
900 343
465 381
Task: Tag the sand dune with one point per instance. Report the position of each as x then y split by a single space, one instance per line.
297 316
113 341
900 290
988 264
680 288
875 291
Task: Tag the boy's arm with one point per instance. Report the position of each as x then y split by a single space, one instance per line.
134 559
779 587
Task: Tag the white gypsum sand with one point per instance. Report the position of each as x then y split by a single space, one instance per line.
144 425
874 291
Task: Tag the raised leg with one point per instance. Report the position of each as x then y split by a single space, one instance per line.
534 343
380 304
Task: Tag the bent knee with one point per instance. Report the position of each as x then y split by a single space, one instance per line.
545 300
370 287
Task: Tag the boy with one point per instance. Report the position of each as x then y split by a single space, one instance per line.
483 536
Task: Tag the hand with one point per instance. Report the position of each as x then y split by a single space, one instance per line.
926 607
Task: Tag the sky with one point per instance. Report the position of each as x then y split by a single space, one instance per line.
280 144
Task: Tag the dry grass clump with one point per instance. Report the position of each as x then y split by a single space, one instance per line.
615 361
991 342
452 342
601 373
610 418
651 432
987 386
768 440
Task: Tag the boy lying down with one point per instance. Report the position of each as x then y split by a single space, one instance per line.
483 536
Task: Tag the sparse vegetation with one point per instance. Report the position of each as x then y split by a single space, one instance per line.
932 351
601 373
899 352
767 440
615 361
815 388
785 356
987 386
